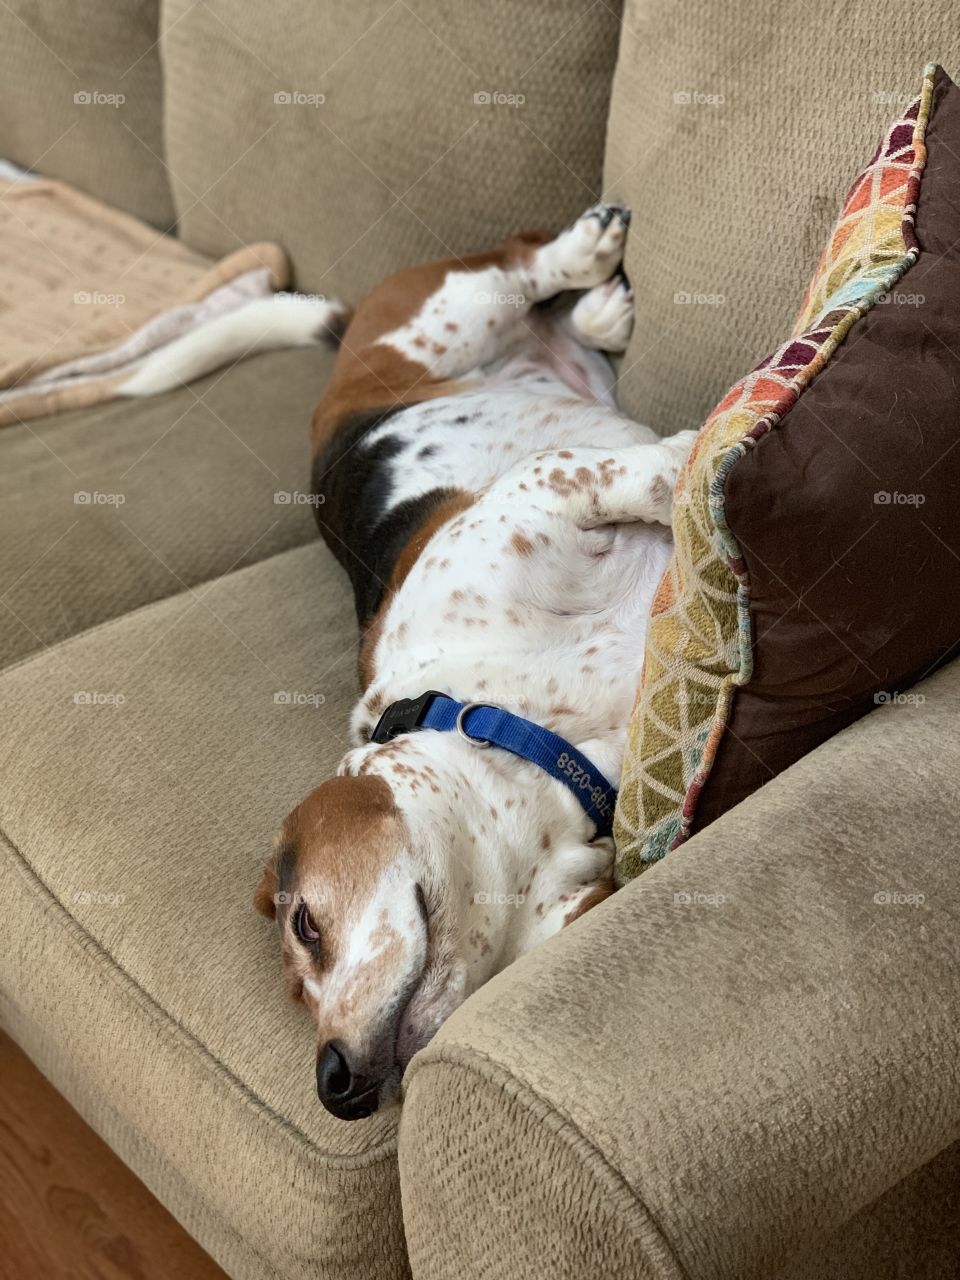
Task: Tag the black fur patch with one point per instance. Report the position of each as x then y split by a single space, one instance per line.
355 517
331 332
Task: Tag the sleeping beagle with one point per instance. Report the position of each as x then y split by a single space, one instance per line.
504 528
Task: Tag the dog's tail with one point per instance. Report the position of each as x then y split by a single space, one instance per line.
283 320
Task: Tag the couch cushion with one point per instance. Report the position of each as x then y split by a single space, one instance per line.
66 68
400 162
198 471
132 964
733 132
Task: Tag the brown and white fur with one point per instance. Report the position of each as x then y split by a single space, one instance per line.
504 528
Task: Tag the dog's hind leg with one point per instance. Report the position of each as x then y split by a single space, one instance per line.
477 311
432 330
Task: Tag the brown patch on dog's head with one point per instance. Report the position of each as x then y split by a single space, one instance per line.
265 895
343 887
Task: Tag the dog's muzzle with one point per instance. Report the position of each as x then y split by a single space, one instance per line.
347 1092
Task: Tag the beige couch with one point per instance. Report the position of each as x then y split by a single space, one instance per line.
741 1066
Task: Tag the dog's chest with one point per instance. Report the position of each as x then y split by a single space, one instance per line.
470 440
380 479
513 605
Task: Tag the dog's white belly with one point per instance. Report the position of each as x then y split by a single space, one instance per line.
555 634
470 440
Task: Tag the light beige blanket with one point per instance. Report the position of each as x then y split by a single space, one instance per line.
87 292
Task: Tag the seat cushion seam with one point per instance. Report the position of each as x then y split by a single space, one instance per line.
183 593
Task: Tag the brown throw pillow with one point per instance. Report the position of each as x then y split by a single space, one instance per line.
817 565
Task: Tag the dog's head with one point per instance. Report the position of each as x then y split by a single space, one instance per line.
360 915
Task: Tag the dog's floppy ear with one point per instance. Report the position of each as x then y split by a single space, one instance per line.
265 898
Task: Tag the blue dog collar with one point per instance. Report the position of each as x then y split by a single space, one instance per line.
485 725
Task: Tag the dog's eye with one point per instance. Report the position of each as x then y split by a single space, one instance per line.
306 930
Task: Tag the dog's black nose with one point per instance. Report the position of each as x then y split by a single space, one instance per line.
346 1093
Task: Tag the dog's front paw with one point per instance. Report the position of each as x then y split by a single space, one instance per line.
591 250
665 483
683 442
603 316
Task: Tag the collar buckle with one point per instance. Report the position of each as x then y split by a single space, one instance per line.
403 717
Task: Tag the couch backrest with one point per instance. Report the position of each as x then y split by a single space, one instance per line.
735 131
81 98
367 135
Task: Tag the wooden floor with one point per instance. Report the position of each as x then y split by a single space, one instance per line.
69 1208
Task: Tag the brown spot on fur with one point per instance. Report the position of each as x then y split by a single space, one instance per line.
592 899
521 544
480 941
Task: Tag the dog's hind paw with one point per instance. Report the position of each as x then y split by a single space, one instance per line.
590 250
603 317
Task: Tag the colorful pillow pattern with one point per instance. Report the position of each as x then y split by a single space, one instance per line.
798 596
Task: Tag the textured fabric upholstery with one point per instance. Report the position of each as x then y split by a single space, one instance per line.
734 199
741 1066
133 966
61 65
714 1071
198 471
398 164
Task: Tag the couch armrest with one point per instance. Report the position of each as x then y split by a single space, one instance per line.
727 1059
